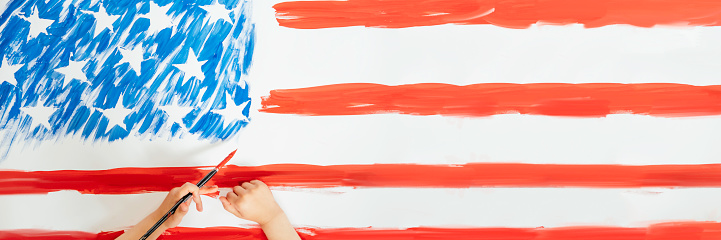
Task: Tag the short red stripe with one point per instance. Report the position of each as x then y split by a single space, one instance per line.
139 180
551 99
504 13
672 230
31 234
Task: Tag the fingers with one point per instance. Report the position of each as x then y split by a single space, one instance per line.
229 206
248 186
193 189
198 202
227 201
178 192
186 188
231 196
196 195
238 190
258 183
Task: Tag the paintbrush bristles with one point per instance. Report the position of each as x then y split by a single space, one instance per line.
226 159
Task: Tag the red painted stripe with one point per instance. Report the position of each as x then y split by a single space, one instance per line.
32 234
139 180
552 99
503 13
662 231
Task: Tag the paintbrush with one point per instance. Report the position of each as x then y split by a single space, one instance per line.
187 196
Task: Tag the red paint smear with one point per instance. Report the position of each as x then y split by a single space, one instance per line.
141 180
552 99
215 194
663 231
503 13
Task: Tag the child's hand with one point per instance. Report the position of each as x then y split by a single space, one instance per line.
176 194
173 196
252 201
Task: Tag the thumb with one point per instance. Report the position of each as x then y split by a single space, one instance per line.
183 209
174 220
180 213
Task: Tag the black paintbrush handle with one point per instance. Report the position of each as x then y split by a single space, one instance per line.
166 216
177 204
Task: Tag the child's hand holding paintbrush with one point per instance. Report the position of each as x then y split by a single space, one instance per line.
173 196
173 220
251 201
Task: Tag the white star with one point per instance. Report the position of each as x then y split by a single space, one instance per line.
158 17
134 57
74 70
38 25
116 115
217 11
39 114
191 67
7 72
231 112
102 19
176 113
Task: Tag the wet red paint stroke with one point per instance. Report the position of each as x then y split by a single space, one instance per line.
503 13
478 100
30 234
661 231
141 180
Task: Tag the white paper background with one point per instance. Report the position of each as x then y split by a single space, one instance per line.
292 58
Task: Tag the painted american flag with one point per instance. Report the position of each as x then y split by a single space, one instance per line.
381 119
106 71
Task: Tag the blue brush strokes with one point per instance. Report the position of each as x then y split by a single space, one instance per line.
111 82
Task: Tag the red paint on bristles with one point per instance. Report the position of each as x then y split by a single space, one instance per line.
226 159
